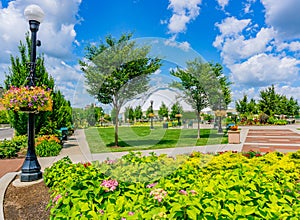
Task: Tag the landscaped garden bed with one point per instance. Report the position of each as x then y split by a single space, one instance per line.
228 185
45 146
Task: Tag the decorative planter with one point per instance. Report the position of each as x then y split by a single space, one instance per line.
27 99
233 137
28 110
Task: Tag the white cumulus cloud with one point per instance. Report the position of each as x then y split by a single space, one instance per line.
264 69
256 56
223 3
284 16
183 11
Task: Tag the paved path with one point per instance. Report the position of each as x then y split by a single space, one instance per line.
10 165
256 138
6 133
268 139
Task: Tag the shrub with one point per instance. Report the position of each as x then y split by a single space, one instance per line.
280 122
8 149
4 117
47 146
20 141
226 186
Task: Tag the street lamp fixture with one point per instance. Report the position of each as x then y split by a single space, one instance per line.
151 127
31 169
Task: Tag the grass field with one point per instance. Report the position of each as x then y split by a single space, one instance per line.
142 138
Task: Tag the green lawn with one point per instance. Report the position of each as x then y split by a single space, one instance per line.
142 138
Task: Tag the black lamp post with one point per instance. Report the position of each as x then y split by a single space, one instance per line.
151 102
31 169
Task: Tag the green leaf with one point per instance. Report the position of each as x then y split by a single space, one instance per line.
85 207
192 214
93 214
226 213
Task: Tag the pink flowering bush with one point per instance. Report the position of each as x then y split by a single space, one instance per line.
158 194
27 99
109 185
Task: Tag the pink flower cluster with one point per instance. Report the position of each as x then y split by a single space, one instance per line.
110 185
183 192
158 194
57 198
101 211
151 185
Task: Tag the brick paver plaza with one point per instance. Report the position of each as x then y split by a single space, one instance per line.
267 140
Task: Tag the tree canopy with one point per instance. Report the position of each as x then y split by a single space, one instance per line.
163 111
203 84
117 70
270 103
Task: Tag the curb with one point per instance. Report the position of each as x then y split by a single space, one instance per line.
4 182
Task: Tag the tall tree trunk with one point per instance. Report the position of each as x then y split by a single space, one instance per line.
117 128
198 122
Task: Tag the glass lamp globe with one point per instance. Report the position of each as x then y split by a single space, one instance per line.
34 12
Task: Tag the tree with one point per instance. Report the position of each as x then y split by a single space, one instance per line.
131 114
269 101
220 96
252 107
118 70
176 109
163 111
241 105
138 113
93 114
18 72
292 107
199 83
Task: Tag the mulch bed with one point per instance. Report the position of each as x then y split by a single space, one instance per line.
26 203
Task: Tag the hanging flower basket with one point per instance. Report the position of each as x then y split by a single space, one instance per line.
178 115
151 115
27 99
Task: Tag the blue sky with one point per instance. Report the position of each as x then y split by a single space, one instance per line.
256 41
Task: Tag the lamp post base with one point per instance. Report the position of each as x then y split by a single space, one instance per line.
29 177
31 171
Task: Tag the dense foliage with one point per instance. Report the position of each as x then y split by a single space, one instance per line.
269 103
10 148
45 146
89 116
163 111
61 114
226 186
118 70
203 85
4 117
